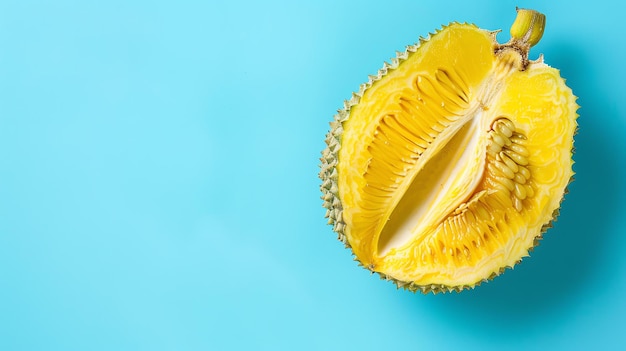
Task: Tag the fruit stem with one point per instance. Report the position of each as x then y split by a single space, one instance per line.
526 31
528 27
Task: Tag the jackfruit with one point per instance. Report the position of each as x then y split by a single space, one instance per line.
448 166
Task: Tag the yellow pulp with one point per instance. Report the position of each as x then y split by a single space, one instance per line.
425 196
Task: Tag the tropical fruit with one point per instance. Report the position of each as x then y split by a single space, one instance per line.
447 166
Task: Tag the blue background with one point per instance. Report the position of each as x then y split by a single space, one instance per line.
159 190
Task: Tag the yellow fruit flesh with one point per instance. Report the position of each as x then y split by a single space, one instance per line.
428 195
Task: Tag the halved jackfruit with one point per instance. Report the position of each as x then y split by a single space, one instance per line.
447 166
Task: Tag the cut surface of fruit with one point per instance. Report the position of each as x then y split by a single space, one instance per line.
447 167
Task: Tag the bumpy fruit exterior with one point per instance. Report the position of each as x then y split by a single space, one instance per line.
449 164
